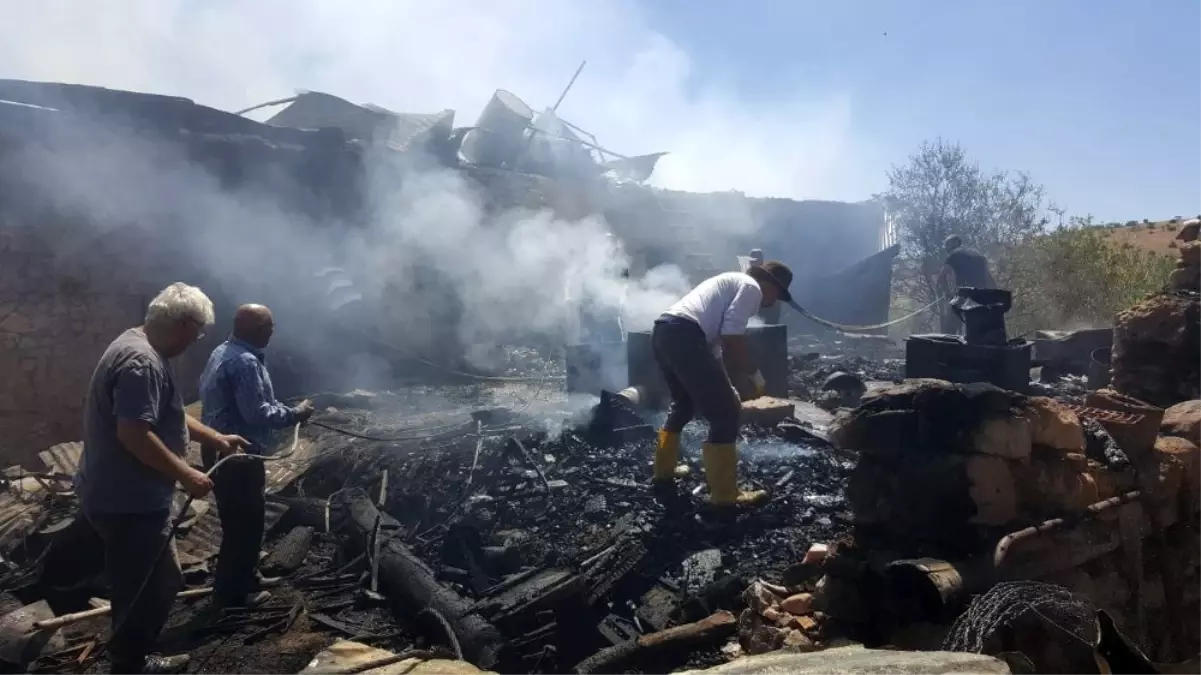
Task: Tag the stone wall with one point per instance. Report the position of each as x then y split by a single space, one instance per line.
61 304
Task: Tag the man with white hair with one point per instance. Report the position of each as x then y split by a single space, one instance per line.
135 438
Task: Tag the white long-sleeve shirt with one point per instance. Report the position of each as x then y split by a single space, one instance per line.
720 305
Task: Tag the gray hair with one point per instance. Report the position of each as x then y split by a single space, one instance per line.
180 301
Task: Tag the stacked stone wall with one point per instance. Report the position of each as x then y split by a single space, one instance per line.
60 307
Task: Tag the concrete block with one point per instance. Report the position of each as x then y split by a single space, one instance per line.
1054 426
766 411
1183 420
993 489
1007 437
1179 462
1053 486
884 433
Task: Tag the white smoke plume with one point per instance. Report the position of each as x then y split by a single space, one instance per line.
638 94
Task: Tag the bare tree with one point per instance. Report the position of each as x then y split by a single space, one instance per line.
939 192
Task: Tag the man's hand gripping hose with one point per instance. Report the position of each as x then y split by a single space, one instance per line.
183 514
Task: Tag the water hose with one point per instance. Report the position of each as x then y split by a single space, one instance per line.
412 434
849 328
183 514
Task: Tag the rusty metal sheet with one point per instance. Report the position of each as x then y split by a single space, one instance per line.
345 656
203 540
281 473
18 515
62 458
807 412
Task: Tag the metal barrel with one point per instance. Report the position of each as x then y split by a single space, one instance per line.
1098 368
499 134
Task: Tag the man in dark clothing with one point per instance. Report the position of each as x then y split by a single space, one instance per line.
969 266
970 270
135 437
238 397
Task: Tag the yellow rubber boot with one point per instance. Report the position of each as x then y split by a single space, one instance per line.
667 455
721 472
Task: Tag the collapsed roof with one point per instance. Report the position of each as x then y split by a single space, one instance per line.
508 134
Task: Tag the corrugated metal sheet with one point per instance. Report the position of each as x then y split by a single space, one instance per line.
345 656
18 515
203 540
62 458
399 131
281 473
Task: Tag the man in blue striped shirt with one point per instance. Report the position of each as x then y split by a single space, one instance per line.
236 392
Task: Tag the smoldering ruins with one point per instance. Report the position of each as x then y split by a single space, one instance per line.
468 307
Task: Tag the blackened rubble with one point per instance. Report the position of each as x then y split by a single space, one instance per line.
530 490
811 363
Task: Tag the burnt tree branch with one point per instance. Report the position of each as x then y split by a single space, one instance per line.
408 581
712 629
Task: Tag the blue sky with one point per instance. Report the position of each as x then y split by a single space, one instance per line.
1100 100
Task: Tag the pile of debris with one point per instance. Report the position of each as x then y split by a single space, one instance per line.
511 528
516 532
838 380
966 458
1155 342
548 528
960 486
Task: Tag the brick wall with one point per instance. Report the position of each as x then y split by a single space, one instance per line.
58 312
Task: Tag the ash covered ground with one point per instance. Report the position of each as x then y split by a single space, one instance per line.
535 479
493 481
431 482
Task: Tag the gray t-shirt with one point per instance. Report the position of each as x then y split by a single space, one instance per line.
132 382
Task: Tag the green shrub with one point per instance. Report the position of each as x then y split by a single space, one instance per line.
1077 277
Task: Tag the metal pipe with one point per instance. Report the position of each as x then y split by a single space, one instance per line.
555 107
267 104
1054 524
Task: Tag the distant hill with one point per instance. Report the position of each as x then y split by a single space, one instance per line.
1158 236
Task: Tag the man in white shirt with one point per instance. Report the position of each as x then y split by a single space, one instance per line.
687 341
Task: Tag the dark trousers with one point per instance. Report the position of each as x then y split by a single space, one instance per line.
238 486
132 543
696 379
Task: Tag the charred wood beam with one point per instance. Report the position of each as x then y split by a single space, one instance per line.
289 554
410 582
301 511
709 630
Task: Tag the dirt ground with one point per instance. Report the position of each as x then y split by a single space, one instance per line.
276 652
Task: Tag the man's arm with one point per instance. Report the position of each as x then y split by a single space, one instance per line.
735 351
138 437
136 403
256 408
736 356
201 432
945 276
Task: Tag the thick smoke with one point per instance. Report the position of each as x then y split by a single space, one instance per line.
640 91
518 275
